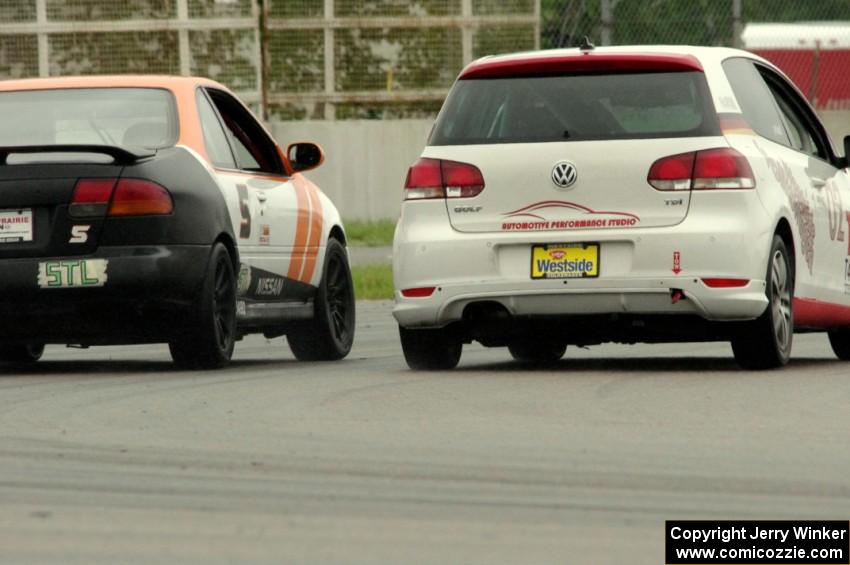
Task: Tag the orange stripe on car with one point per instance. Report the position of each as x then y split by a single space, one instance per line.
302 225
735 124
315 233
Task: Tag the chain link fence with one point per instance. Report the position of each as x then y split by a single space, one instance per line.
293 59
808 39
354 59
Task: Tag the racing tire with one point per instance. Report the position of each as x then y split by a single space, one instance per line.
840 341
429 350
538 352
209 339
330 334
21 353
765 343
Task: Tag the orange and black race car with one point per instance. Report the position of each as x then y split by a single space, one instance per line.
158 209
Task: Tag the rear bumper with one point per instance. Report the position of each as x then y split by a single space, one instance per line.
728 238
147 292
614 296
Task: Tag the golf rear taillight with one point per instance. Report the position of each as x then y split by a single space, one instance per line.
461 180
722 168
709 169
119 197
91 197
672 173
138 197
438 178
424 180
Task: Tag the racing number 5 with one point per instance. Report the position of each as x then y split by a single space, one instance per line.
245 211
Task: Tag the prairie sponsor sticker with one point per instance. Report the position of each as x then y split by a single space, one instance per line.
72 273
15 226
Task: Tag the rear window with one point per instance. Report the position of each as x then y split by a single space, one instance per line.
576 107
144 117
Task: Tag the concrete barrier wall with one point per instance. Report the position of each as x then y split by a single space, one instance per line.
367 160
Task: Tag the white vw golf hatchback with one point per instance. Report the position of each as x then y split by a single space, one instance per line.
630 194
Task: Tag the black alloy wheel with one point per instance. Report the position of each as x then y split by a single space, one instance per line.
330 334
210 337
21 353
765 343
430 349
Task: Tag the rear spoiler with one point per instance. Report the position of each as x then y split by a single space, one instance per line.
579 62
122 155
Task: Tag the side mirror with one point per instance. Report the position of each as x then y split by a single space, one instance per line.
304 156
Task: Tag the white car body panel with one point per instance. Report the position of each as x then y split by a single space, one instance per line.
271 208
469 256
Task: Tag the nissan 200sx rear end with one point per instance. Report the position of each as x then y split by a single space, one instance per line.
581 197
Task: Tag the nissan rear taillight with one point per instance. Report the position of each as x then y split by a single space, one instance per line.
137 197
709 169
438 178
91 197
119 197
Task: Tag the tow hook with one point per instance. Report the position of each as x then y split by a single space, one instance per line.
676 294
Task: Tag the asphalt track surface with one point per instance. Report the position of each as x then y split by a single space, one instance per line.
109 456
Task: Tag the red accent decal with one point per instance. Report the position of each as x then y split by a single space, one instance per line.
537 206
734 123
576 63
677 262
528 215
812 313
848 241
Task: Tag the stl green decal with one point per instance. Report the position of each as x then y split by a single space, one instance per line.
72 273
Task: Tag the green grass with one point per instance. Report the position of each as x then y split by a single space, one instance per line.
373 282
369 233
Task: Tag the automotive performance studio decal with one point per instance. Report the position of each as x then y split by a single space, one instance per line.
532 217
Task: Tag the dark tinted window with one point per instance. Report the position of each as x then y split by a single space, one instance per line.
98 116
800 137
255 150
755 100
802 134
215 140
576 107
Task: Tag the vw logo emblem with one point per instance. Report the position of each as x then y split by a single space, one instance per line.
564 174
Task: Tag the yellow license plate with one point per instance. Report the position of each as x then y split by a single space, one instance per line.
565 261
